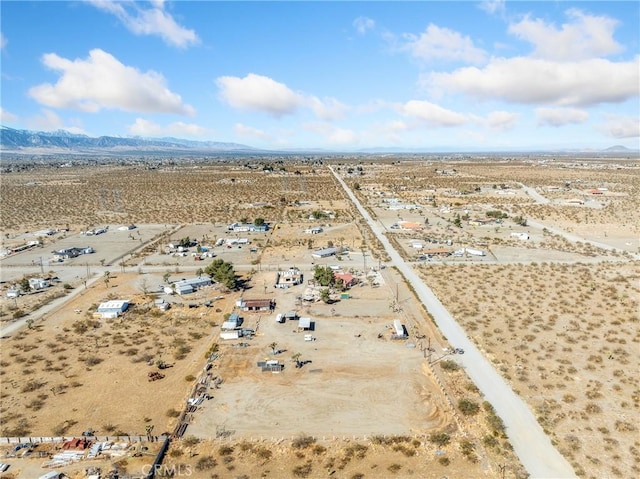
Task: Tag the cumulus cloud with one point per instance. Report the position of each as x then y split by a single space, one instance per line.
101 81
144 127
530 80
49 121
585 36
327 109
363 24
432 114
332 134
149 21
617 126
245 131
6 116
261 93
501 120
437 43
560 116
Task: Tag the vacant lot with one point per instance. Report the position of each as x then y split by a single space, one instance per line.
566 337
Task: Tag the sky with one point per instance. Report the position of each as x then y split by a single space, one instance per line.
335 75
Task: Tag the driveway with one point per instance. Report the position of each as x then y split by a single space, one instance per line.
533 447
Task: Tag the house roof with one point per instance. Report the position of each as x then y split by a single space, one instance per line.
119 305
346 278
257 303
304 323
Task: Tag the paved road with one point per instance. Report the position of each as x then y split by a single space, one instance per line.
530 443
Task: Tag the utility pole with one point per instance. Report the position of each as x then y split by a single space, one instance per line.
41 266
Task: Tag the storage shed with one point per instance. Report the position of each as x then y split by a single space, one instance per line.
112 309
305 324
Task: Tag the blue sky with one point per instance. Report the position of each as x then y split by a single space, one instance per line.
489 75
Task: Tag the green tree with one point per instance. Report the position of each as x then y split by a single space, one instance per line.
258 221
185 242
24 285
273 347
323 275
324 295
222 272
165 277
457 221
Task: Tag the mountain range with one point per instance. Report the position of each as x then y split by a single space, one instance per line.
63 142
25 140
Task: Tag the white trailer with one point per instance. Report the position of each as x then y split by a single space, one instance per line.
237 334
475 252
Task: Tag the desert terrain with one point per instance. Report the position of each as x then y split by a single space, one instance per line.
556 313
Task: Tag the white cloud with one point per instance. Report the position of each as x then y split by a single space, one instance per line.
528 80
257 92
493 6
620 127
144 127
3 41
438 43
6 116
329 109
101 81
260 93
586 36
332 134
245 131
151 21
432 114
362 24
560 116
501 120
50 121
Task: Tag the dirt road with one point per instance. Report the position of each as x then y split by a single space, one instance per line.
531 444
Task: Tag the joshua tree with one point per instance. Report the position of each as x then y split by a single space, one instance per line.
273 347
296 359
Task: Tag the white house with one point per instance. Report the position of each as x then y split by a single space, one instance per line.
324 253
112 309
39 283
187 286
522 236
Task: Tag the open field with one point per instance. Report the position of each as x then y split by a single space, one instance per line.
567 339
556 313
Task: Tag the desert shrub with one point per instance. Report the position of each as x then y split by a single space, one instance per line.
205 463
62 428
175 452
468 407
394 468
318 449
356 450
440 438
302 442
357 475
449 365
190 378
172 413
225 450
92 361
21 429
490 441
109 428
444 461
32 385
404 450
303 470
468 450
190 441
263 453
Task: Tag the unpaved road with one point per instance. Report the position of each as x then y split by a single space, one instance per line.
530 443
